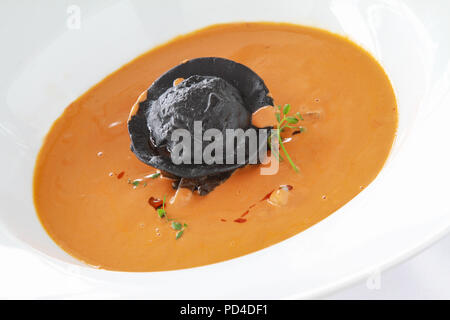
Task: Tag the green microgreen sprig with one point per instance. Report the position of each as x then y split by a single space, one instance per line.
162 210
137 182
154 175
177 226
285 121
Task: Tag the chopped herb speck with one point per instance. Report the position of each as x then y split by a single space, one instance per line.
179 234
154 175
176 225
161 212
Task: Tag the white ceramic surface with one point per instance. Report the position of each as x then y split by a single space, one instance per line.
45 64
425 276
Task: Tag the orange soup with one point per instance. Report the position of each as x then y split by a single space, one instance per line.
94 197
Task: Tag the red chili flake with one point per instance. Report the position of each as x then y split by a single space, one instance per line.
120 175
245 213
155 203
240 220
267 196
223 220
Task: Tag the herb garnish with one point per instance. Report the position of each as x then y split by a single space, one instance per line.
135 183
285 121
162 211
179 234
177 226
154 175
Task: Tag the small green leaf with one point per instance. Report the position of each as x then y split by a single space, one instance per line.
277 115
154 175
176 225
299 116
179 234
135 183
286 108
291 119
161 212
279 107
185 225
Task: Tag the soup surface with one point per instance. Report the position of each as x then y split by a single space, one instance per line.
92 194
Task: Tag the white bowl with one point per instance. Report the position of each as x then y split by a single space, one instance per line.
47 63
